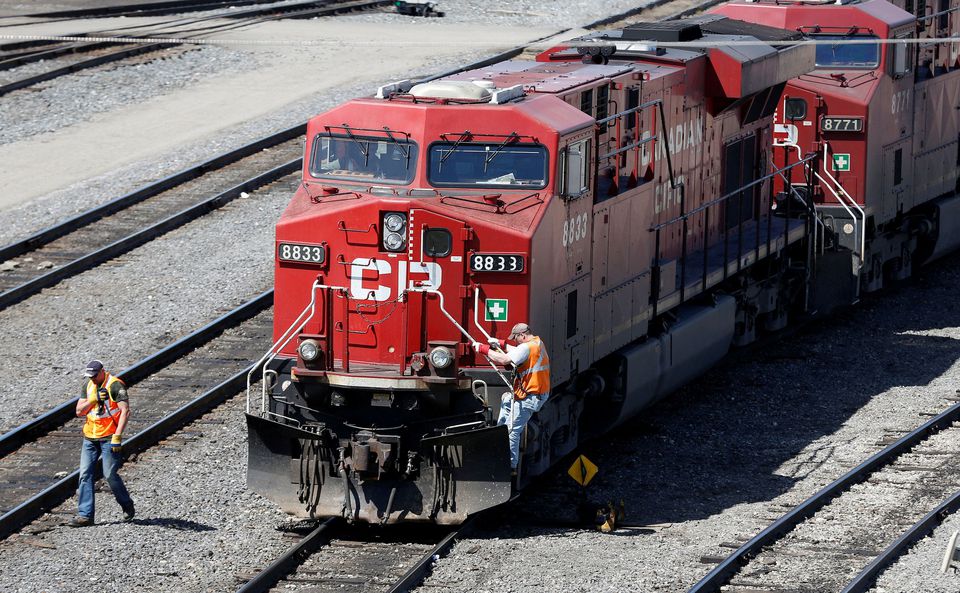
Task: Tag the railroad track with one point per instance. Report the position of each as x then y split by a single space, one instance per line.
843 536
40 457
102 233
161 8
335 557
71 56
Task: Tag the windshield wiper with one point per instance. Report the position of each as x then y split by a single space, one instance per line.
463 137
405 147
361 145
496 151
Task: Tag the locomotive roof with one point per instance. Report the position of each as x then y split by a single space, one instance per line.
653 40
544 77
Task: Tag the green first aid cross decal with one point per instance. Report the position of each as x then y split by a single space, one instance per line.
495 310
841 162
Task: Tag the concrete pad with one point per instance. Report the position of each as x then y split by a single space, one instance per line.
309 57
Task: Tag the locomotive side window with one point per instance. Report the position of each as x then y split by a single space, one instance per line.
902 57
603 99
586 101
382 160
847 55
437 242
573 169
633 101
487 165
795 109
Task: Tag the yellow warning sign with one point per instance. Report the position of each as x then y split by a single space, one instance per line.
582 470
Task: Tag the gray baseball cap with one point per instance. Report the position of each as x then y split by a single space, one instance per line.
520 328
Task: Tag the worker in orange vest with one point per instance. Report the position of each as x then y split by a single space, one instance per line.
531 383
103 400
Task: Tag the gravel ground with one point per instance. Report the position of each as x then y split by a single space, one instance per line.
732 451
196 526
75 98
919 569
140 302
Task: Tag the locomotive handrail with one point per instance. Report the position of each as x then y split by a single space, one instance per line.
476 322
811 209
457 325
343 227
863 232
619 114
284 339
630 146
727 196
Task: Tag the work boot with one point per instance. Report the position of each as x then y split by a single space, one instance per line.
128 513
80 521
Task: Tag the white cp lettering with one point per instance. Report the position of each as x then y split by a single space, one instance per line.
382 292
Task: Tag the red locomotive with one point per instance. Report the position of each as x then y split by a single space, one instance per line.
884 118
621 194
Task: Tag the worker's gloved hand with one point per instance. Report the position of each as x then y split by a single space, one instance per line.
115 445
481 348
495 343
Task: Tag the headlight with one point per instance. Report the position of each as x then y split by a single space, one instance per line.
395 222
440 358
309 350
393 241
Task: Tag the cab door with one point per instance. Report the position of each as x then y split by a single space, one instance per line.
435 261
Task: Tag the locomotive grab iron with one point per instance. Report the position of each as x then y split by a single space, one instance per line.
642 203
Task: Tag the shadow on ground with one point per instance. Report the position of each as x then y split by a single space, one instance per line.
749 429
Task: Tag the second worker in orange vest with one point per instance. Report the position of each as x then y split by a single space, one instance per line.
103 400
531 384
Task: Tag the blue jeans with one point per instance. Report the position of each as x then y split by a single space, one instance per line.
522 412
89 453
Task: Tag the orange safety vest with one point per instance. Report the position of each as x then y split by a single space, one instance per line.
102 420
533 376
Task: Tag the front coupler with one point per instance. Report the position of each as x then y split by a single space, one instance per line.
377 478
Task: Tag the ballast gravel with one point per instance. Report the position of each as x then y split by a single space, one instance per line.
48 106
715 463
138 303
720 460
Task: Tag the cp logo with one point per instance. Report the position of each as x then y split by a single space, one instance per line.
362 281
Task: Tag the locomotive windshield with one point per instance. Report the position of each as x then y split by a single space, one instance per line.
488 165
850 51
360 158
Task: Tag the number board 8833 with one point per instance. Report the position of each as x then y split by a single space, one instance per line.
497 262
